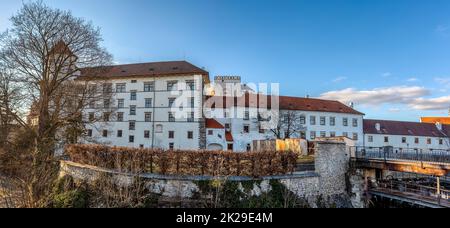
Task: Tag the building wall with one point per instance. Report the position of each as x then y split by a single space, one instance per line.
397 142
160 115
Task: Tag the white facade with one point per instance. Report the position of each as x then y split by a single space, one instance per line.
407 142
146 103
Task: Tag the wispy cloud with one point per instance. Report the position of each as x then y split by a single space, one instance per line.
439 103
339 79
386 74
412 80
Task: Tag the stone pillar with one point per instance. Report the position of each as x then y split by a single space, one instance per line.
332 166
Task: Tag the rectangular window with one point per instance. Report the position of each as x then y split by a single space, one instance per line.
89 133
332 134
132 125
345 122
303 134
261 130
312 121
332 121
171 146
312 135
190 135
210 132
171 134
106 116
171 117
120 117
91 117
302 119
132 110
403 139
355 122
148 117
190 85
386 139
107 88
133 95
148 102
147 134
133 81
355 136
131 139
416 141
192 102
441 141
121 103
172 85
370 139
191 117
246 129
149 86
429 141
323 134
106 103
323 121
246 115
119 134
121 88
171 102
105 133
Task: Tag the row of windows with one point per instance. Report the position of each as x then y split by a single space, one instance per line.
119 134
148 86
405 140
148 102
147 116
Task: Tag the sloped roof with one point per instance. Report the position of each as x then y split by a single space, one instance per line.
152 69
389 127
213 124
285 103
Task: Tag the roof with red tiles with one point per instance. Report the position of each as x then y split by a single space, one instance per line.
389 127
285 103
213 124
153 69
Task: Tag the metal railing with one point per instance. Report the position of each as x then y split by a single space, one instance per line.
392 154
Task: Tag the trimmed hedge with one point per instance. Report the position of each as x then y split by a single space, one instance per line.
209 163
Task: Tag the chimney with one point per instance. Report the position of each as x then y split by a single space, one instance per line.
439 126
378 126
351 105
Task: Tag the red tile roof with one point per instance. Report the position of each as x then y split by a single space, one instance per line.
213 124
229 137
405 128
154 69
285 103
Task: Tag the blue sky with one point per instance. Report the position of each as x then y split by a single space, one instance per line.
392 58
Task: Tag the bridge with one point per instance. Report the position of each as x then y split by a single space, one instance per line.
430 165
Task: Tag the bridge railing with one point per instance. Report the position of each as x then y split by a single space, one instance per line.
393 153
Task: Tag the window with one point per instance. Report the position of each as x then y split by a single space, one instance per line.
345 134
246 128
210 132
132 110
332 134
149 86
190 85
323 134
249 147
106 103
355 136
131 139
171 134
106 116
416 141
148 117
355 122
286 118
107 88
105 133
120 117
171 85
159 128
120 103
403 139
312 120
147 134
191 117
312 135
92 104
190 135
370 139
303 119
89 132
261 130
171 102
91 117
230 146
441 141
133 95
171 146
141 146
332 121
171 117
133 81
246 115
192 102
148 102
226 114
121 88
345 122
132 125
322 121
386 139
429 141
119 134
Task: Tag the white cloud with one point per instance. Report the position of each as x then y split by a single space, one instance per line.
386 74
412 80
339 79
394 110
439 103
377 96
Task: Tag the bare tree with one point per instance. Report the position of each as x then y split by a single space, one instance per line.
44 51
288 126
